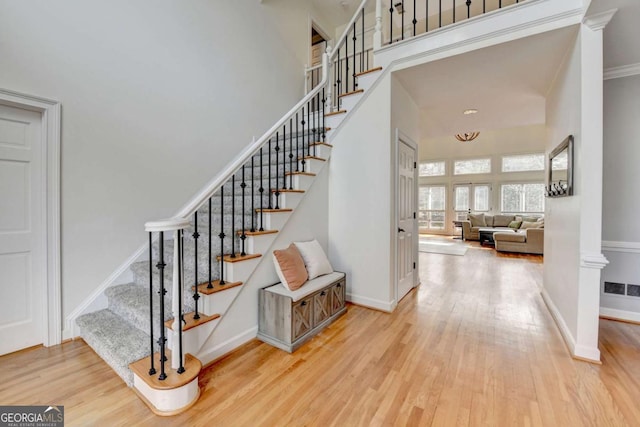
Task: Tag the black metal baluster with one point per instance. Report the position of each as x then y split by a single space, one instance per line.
269 205
253 225
180 313
261 191
391 24
291 154
308 139
303 138
210 284
243 236
233 216
196 235
320 131
440 14
346 68
152 369
314 128
484 6
335 82
454 11
221 235
353 73
402 21
339 82
415 21
426 19
324 127
162 291
468 9
297 145
361 53
499 4
277 191
284 157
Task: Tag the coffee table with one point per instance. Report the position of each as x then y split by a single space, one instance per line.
486 236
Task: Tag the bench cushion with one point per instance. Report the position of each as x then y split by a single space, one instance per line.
308 288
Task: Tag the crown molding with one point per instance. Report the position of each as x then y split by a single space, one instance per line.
598 21
622 71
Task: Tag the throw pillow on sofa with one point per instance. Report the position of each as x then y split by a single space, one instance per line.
515 224
528 224
477 220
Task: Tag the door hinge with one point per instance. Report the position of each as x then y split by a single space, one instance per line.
415 165
414 265
414 215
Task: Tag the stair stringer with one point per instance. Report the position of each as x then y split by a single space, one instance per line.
239 323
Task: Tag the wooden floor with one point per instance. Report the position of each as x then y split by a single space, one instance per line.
473 345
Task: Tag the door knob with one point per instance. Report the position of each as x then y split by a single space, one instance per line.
400 230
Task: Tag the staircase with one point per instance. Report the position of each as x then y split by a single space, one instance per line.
198 262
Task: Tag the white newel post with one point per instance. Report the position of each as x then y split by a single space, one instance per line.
377 35
326 65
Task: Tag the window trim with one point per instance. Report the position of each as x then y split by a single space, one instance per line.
503 183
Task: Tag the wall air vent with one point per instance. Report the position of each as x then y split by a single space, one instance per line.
614 288
633 290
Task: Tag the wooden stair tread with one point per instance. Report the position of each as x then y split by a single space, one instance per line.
373 70
257 232
353 92
300 173
266 210
321 143
204 289
312 158
335 113
288 190
238 257
191 322
174 380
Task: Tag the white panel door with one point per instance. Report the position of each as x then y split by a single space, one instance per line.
406 196
22 247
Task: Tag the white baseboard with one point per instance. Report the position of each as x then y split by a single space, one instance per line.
386 306
578 351
97 301
628 316
560 323
216 352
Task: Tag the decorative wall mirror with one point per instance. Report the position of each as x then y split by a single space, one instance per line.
560 170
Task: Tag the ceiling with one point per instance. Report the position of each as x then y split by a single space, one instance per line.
622 34
507 83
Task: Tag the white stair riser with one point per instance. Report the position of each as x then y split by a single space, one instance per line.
239 271
365 81
301 182
274 221
313 165
335 120
193 338
259 244
322 151
349 102
289 200
171 400
219 302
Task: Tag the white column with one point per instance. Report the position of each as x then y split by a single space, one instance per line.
377 35
326 67
591 258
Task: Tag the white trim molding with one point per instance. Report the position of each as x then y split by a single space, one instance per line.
598 21
51 129
627 247
593 260
560 323
376 304
624 315
212 354
622 71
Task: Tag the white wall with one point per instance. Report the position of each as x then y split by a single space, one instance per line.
157 96
359 194
490 144
620 227
308 221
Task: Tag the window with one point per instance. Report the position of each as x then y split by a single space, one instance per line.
463 202
466 167
522 198
432 169
431 206
523 163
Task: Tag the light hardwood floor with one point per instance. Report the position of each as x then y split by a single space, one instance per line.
473 345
